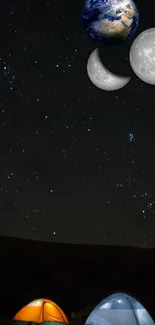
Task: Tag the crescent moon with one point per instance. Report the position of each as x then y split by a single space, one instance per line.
102 77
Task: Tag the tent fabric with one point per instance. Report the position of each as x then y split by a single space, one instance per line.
53 323
119 309
41 310
22 322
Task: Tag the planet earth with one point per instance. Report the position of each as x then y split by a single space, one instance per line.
110 21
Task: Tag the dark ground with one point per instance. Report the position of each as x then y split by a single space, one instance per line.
72 275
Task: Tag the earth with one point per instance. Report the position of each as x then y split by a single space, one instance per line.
110 21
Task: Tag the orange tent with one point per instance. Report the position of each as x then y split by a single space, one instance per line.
41 310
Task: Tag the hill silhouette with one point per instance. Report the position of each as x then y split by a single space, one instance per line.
72 275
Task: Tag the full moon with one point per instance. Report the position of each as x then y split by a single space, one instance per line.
102 77
142 56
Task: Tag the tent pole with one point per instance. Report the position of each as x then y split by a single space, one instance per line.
137 321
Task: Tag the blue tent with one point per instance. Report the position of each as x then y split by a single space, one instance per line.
119 309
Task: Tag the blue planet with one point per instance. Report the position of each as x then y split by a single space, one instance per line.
110 21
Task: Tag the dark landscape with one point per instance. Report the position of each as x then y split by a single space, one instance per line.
73 276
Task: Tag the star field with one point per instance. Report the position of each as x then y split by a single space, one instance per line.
77 164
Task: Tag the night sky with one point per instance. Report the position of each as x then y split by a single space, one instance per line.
77 164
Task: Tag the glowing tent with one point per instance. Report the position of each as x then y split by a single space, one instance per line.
119 309
42 310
